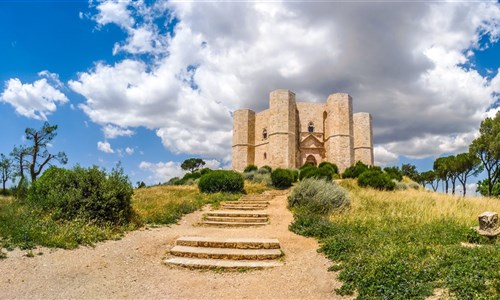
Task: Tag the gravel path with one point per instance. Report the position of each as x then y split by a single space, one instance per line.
132 267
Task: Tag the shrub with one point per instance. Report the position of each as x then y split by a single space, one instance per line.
205 171
263 171
264 178
394 172
400 186
376 179
295 175
268 168
249 175
329 165
354 171
307 171
83 193
282 178
250 168
306 165
414 185
318 196
326 172
221 181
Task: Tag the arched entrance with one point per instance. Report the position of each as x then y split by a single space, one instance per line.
311 160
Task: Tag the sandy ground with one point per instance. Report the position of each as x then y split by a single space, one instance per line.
132 267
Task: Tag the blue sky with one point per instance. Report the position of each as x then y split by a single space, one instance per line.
151 83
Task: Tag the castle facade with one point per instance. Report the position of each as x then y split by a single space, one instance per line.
290 134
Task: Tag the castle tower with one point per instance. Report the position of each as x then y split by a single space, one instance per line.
339 142
282 129
243 139
363 138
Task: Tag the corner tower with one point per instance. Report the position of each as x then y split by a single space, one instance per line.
243 151
339 141
363 138
282 129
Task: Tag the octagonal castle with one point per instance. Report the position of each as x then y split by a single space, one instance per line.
290 134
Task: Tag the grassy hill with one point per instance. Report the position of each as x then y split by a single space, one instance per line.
405 244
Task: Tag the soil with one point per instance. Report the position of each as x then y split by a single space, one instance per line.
132 267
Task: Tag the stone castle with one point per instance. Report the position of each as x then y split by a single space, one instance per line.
290 134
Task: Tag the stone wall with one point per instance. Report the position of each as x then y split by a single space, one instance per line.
243 138
339 130
261 143
282 129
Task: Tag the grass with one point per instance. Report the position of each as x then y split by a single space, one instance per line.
26 228
406 244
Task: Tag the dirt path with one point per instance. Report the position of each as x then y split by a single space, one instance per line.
132 267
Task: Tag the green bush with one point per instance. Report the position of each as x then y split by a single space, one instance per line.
355 171
250 168
333 167
400 186
268 168
307 171
326 172
249 175
282 178
83 193
221 181
394 172
295 175
318 196
264 178
377 180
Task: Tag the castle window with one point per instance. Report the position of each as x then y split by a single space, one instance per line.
264 134
265 155
310 127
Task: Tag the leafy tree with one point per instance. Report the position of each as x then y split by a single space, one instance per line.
140 184
487 148
453 171
37 154
19 161
192 164
394 172
482 187
6 169
428 177
441 171
410 171
467 165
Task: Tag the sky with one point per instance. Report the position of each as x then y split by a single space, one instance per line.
152 83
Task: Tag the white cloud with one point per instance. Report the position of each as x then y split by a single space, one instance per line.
404 63
111 132
383 157
105 147
34 100
162 171
129 150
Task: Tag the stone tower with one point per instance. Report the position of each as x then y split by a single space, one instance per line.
290 134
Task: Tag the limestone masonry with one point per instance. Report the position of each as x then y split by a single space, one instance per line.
290 134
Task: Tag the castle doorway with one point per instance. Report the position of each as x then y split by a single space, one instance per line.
311 160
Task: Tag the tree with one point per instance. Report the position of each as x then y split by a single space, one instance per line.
410 171
428 177
441 171
19 161
6 169
467 165
192 164
37 155
487 148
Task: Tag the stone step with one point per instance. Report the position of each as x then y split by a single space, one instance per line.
220 242
267 198
225 253
250 201
244 204
235 224
236 213
219 263
237 219
241 207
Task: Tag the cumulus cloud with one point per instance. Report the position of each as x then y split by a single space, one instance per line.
34 100
105 147
408 64
384 157
162 171
129 150
111 132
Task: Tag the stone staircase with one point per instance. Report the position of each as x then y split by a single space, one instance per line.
228 253
247 211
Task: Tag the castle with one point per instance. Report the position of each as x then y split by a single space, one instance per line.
290 134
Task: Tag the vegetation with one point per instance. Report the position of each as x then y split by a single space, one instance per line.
325 171
355 171
192 164
6 171
318 196
377 180
405 244
282 178
221 181
87 194
250 168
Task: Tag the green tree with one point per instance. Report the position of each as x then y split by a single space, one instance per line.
6 169
487 148
20 163
37 154
428 177
467 165
192 164
442 172
410 171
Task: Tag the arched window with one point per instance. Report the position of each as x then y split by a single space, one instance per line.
265 155
264 134
310 127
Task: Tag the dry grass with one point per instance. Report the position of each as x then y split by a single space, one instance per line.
419 206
